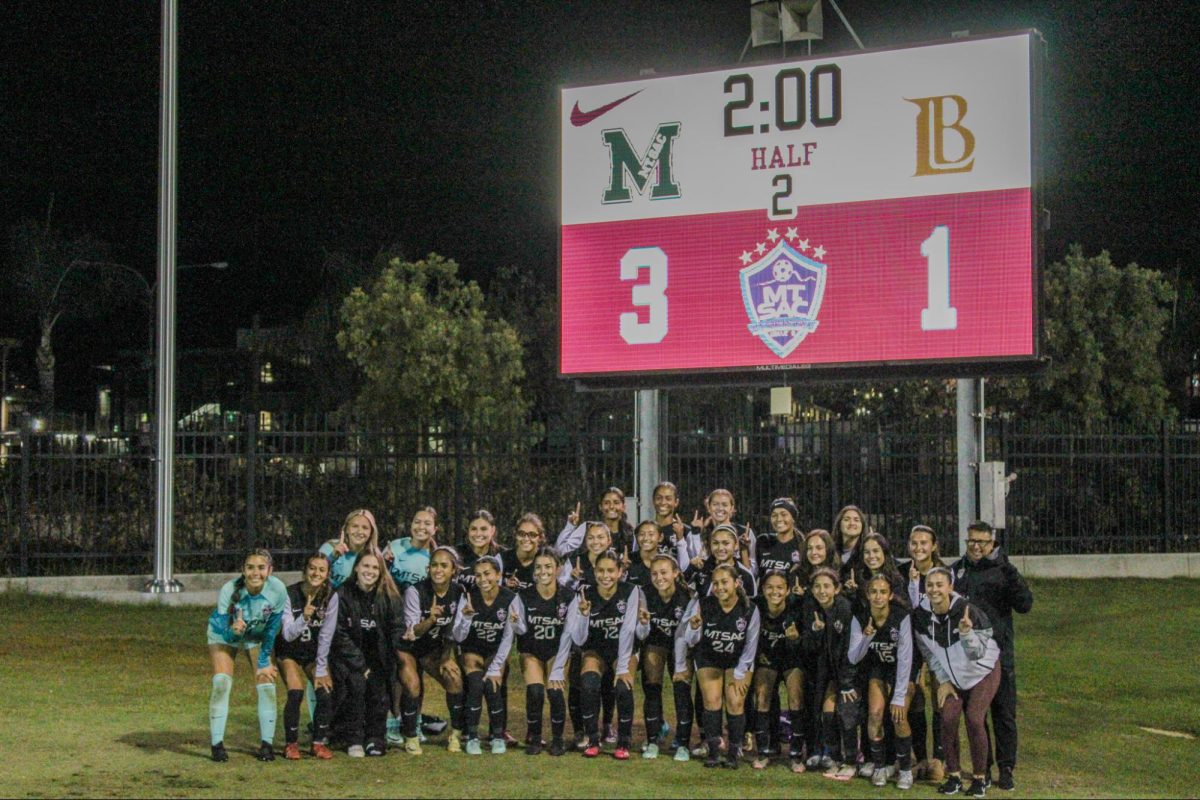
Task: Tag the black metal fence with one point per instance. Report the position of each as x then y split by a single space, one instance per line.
82 503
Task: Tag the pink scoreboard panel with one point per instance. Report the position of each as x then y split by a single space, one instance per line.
869 209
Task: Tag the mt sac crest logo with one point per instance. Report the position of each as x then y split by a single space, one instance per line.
783 289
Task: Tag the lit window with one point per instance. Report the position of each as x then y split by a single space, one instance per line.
266 374
264 420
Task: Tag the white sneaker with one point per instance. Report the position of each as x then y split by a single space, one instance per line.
356 751
813 762
905 781
879 777
889 771
650 751
866 770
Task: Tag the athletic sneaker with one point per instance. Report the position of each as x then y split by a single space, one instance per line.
905 780
814 762
321 750
732 758
713 759
454 742
265 752
581 742
474 748
499 746
533 748
827 763
592 751
394 734
798 765
651 751
375 749
291 751
413 747
355 751
977 788
879 777
218 752
760 762
1005 781
866 770
558 747
682 753
428 723
953 785
845 772
700 750
621 753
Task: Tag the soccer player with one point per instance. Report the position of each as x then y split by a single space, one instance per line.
876 560
602 622
825 643
408 556
989 580
544 651
782 549
359 534
665 600
674 530
955 637
723 546
430 607
481 541
369 632
303 654
483 628
721 509
723 630
881 644
649 546
248 617
819 551
613 516
924 556
778 659
848 527
518 561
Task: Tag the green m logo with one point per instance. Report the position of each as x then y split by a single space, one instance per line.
627 162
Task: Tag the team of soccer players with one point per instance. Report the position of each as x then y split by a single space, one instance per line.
856 643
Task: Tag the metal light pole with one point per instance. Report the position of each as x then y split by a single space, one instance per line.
164 506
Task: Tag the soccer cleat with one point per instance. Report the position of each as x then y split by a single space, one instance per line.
322 751
905 779
700 750
218 752
581 742
394 734
732 758
952 785
845 772
557 747
413 746
474 748
1005 781
592 751
533 748
798 765
291 751
651 751
682 753
265 752
509 739
827 763
621 754
978 788
374 749
432 725
712 760
760 762
499 747
879 777
866 770
454 742
814 762
355 751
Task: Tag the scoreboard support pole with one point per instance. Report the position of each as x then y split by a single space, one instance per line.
649 412
968 396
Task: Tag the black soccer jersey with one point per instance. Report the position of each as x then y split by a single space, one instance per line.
418 603
604 623
665 616
544 622
513 568
486 627
775 650
726 639
776 555
304 648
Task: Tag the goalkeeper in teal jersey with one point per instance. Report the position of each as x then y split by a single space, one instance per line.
248 616
359 534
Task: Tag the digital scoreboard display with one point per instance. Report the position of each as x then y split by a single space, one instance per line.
862 210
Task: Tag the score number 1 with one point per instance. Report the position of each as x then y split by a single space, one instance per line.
938 314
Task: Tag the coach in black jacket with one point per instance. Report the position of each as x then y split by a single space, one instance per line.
990 581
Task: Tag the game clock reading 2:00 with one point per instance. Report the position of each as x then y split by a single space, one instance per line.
864 210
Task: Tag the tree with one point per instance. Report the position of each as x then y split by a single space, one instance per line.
58 275
1104 327
425 345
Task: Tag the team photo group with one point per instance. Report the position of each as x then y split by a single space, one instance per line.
820 650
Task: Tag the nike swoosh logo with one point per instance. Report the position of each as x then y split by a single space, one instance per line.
580 117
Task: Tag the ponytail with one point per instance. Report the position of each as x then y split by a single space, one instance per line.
240 583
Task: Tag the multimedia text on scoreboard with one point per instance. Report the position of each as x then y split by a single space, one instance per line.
873 210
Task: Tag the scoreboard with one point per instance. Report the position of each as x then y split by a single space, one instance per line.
866 210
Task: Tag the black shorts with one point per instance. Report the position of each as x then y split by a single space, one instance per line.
303 653
606 650
424 647
715 661
878 671
780 659
543 650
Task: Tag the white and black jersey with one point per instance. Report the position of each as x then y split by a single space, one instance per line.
418 603
775 650
639 571
513 568
774 555
545 623
725 640
610 628
582 561
665 616
700 578
307 641
467 557
489 631
887 653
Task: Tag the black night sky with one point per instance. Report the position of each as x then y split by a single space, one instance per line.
312 126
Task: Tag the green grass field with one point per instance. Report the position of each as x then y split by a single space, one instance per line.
104 700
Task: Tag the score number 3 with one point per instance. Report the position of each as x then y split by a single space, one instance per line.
651 295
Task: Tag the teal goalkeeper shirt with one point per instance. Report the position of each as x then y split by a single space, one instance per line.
409 564
262 613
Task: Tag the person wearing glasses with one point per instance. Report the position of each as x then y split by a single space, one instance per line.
989 580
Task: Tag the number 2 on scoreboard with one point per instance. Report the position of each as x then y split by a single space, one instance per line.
651 295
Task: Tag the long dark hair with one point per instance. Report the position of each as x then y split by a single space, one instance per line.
321 598
680 584
837 529
240 583
935 556
486 516
743 598
804 570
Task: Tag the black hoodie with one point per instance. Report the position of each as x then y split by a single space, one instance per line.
995 585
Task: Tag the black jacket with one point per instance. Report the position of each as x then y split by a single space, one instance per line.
356 608
825 652
995 585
